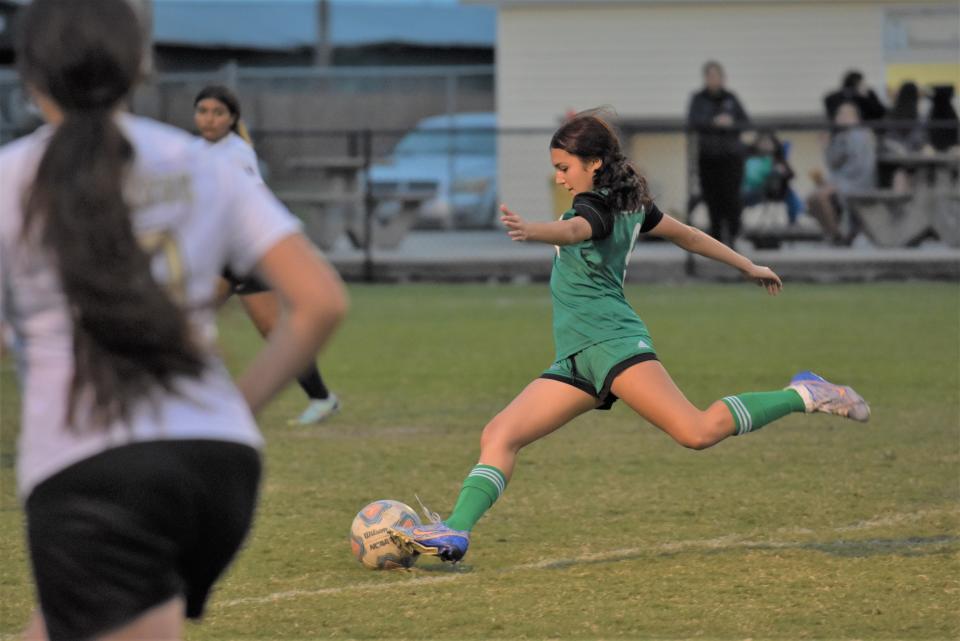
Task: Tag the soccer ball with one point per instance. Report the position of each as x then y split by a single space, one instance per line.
370 541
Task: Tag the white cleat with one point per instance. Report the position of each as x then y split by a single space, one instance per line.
319 410
820 395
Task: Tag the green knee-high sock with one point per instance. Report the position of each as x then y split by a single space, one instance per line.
753 410
481 489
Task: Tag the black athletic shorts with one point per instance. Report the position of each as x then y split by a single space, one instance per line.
130 528
245 285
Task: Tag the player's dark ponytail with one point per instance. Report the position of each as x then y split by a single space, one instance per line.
128 335
588 136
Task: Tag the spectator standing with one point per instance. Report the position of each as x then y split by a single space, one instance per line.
718 118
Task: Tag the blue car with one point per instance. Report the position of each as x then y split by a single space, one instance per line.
451 162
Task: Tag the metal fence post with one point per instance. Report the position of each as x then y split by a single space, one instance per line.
368 206
231 73
689 265
452 87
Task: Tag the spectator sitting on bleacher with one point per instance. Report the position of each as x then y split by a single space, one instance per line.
905 134
943 138
767 175
851 159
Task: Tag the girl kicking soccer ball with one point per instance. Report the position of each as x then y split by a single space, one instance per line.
603 350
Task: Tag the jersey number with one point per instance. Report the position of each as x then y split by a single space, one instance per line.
162 245
633 243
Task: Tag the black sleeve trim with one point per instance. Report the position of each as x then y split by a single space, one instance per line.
593 208
652 219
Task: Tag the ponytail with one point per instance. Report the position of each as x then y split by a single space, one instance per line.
128 335
240 128
625 187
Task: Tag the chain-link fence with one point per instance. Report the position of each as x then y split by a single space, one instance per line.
365 156
289 98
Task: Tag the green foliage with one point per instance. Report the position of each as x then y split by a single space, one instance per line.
814 527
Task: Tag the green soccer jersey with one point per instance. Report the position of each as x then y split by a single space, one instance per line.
586 283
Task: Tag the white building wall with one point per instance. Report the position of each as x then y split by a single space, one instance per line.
644 60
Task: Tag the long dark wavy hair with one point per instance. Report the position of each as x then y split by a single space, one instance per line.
906 105
129 337
589 136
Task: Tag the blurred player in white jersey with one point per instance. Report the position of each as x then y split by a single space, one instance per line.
216 113
138 460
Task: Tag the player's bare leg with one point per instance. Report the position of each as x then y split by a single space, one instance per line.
648 389
263 308
164 622
542 407
650 392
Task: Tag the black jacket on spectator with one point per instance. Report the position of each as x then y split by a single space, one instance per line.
942 138
716 141
870 106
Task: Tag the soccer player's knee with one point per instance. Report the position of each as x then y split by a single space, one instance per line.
694 434
694 441
492 435
498 435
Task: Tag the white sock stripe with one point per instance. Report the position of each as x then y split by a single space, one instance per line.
496 474
746 413
490 476
496 486
493 476
736 413
738 409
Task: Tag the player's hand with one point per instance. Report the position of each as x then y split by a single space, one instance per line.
516 226
765 277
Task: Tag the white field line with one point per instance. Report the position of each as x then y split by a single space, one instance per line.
720 543
365 587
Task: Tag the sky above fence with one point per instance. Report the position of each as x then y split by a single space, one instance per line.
288 24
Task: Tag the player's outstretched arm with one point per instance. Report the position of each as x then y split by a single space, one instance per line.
314 303
695 241
559 232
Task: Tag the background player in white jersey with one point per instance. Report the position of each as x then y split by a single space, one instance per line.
216 113
138 459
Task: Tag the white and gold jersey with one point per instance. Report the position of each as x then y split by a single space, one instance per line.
238 151
195 212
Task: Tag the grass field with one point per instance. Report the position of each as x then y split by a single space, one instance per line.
814 528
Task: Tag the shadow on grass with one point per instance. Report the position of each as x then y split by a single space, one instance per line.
444 568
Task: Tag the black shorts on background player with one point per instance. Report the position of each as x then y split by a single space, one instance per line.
134 526
242 286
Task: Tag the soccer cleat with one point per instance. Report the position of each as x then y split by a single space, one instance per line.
318 410
820 395
433 539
